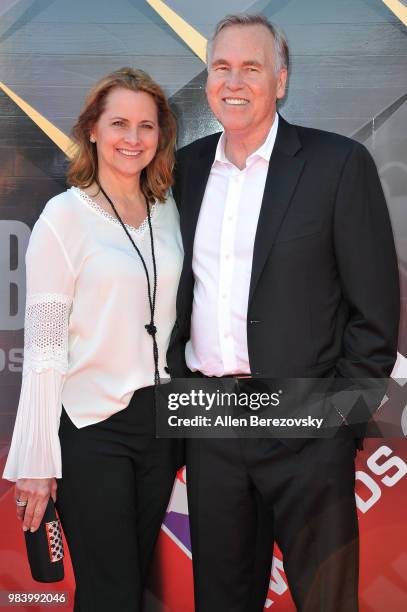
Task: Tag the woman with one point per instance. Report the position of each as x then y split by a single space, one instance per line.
103 265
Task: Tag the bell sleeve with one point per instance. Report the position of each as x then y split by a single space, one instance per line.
35 449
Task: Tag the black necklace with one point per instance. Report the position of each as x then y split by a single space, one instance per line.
150 327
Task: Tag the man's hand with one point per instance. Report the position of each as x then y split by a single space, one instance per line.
36 492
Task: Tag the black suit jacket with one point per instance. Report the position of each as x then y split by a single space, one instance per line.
324 292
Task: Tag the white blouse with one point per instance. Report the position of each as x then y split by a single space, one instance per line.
85 344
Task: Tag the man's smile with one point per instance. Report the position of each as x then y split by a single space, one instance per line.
236 101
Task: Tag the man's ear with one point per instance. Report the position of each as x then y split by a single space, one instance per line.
281 83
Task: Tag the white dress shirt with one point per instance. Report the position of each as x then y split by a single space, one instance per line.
222 261
85 344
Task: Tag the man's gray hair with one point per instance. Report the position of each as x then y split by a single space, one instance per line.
281 51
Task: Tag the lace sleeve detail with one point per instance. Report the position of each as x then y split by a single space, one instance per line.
46 332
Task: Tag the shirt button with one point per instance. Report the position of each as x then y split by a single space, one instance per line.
230 218
227 255
224 296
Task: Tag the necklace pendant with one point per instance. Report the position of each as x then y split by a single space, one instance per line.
151 329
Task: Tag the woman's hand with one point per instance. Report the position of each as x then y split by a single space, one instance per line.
36 492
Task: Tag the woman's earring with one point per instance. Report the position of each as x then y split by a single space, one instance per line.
92 139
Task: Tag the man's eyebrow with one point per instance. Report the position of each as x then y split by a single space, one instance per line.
253 63
220 61
250 62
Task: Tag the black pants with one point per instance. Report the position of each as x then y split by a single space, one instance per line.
116 483
244 494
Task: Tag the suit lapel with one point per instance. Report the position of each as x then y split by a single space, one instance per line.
282 178
198 175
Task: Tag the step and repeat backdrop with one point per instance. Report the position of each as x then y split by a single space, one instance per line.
348 75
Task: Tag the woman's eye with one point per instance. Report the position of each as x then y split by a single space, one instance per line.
118 123
148 126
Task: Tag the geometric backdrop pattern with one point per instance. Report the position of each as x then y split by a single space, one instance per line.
348 74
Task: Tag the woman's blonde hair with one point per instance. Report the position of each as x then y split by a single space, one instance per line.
156 178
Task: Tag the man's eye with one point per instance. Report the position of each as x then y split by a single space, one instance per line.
253 69
220 68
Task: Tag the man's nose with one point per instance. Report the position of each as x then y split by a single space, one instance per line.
234 80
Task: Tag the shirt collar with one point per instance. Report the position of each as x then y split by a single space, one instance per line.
264 151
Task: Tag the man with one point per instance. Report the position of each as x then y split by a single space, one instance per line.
290 271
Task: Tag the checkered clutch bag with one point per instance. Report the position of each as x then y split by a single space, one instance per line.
45 549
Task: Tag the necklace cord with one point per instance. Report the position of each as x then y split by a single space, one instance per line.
150 327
